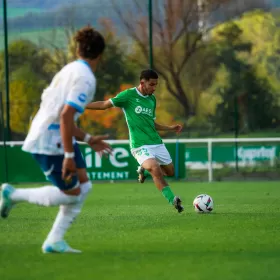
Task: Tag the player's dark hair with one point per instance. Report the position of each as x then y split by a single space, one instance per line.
90 42
148 74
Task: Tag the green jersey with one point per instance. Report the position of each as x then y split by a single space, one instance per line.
139 113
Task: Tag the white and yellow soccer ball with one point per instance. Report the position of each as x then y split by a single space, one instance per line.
203 203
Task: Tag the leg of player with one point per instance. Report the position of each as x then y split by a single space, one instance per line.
168 170
143 174
152 166
66 216
70 194
45 196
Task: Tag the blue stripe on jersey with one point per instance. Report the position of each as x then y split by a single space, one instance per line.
54 126
84 62
76 106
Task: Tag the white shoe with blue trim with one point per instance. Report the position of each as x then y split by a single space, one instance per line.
6 203
58 247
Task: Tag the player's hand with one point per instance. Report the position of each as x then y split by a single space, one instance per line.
98 144
177 128
68 169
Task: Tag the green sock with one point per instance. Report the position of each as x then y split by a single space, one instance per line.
168 194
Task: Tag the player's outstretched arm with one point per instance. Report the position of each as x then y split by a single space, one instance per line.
176 128
96 142
99 105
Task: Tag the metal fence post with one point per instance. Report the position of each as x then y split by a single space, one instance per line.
5 159
151 58
236 134
7 82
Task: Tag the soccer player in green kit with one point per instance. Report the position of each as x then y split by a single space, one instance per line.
139 106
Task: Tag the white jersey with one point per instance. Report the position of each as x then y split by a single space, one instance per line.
74 85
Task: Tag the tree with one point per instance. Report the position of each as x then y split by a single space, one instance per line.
235 8
24 52
177 35
257 105
28 77
111 121
25 93
114 68
262 31
32 68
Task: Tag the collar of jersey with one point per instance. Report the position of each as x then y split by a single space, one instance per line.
139 93
85 63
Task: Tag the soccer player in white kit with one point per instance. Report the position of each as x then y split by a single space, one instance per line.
52 142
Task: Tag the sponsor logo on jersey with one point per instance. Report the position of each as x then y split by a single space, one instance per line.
82 97
138 110
146 111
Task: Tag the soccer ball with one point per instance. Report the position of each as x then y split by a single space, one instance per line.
203 203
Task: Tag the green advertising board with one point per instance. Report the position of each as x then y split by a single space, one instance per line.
19 166
246 155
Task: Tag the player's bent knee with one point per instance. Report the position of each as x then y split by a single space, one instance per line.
170 173
71 190
156 171
85 187
74 191
74 208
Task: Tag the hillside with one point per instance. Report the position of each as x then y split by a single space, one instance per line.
27 15
32 19
45 17
39 4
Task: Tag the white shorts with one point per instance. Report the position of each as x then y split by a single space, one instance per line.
158 152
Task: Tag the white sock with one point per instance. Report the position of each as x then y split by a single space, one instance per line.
45 196
66 215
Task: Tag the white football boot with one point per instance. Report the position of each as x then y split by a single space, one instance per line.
58 247
6 203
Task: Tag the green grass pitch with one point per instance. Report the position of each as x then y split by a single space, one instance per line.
128 231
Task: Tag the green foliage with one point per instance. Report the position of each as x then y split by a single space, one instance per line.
262 31
114 69
256 106
249 98
238 64
24 52
27 80
32 68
